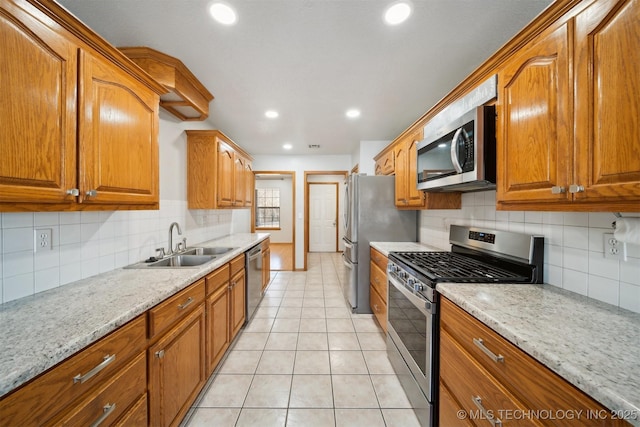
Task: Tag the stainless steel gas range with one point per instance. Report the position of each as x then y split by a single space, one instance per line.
481 256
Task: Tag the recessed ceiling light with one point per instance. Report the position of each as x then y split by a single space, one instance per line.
287 146
272 114
397 13
223 13
353 113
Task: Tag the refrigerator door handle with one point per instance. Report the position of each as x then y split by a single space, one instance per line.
346 263
347 244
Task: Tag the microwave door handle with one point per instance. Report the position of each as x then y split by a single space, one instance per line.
454 151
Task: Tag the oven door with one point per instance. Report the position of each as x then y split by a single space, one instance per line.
412 326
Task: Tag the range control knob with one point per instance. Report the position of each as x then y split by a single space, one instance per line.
418 287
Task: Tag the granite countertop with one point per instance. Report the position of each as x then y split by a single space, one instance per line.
42 330
593 345
386 247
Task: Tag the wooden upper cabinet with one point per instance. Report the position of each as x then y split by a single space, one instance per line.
406 185
385 163
534 111
80 121
607 108
38 131
249 184
118 136
226 174
568 111
219 173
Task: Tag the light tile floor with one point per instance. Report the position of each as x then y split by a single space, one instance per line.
305 360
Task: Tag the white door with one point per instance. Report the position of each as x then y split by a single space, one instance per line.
323 217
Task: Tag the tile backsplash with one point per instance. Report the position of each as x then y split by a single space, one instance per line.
573 250
88 243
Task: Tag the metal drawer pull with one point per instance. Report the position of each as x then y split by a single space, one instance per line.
480 344
105 362
487 416
73 192
91 193
556 189
186 303
107 410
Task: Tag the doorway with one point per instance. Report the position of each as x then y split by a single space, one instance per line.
323 217
274 213
327 177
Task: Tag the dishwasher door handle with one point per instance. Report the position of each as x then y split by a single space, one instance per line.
256 254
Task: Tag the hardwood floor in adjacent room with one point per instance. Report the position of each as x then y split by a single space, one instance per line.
281 256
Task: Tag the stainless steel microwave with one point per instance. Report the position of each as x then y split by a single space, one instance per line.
461 156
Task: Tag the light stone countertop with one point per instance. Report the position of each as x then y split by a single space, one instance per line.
386 247
593 345
39 331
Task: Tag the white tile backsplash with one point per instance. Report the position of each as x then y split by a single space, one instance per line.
90 243
574 254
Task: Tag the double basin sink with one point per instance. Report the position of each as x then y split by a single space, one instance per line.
191 257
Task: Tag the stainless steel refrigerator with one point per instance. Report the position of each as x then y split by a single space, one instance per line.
370 215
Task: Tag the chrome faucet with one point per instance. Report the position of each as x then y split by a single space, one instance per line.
170 251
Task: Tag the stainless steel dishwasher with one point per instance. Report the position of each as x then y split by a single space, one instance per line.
253 267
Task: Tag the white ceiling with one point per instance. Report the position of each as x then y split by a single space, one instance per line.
311 60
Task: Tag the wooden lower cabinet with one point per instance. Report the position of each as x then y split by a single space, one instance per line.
266 264
507 390
177 370
218 306
74 379
238 303
378 287
448 410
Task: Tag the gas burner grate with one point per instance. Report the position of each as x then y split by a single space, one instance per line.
451 267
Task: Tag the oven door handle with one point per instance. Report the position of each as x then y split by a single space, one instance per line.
428 308
346 264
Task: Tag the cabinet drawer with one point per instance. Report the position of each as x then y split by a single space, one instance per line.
137 415
217 279
378 280
533 383
237 264
474 388
112 400
448 408
379 308
379 259
166 313
34 404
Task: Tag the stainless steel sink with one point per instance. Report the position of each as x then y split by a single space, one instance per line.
176 261
217 250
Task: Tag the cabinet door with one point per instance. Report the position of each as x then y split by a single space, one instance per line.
226 169
38 69
217 326
238 303
177 370
607 102
240 181
249 184
400 153
415 197
118 136
266 267
535 121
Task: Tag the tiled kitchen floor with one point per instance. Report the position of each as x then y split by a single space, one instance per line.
305 360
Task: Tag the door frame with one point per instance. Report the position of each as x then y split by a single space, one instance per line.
293 207
306 206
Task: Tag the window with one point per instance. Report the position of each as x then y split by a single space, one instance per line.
267 208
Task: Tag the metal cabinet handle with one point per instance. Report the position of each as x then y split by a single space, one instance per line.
186 304
160 354
478 342
108 359
91 193
73 192
573 188
106 411
557 189
487 416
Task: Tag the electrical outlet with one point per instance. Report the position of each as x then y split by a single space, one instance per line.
42 239
613 249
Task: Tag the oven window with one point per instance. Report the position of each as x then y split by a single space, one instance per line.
411 326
